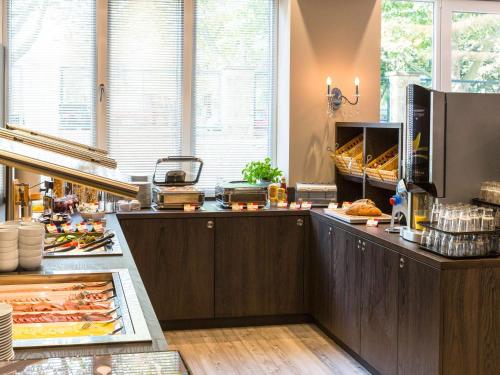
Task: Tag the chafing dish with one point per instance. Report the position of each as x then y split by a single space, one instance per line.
176 187
240 192
126 321
320 195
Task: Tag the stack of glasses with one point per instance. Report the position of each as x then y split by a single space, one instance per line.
461 230
6 352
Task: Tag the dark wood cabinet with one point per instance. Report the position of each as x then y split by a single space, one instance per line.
320 272
259 265
346 288
419 318
379 307
175 258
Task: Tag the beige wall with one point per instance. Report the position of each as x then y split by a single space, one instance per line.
340 38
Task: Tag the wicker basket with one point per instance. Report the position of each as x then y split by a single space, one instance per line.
349 157
385 167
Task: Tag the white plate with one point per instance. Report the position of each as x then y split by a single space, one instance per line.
340 214
8 358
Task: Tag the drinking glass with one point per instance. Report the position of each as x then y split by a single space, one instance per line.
488 221
464 221
475 220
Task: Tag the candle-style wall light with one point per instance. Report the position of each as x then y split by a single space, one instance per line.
335 97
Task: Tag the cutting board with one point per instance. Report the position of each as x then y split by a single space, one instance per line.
339 213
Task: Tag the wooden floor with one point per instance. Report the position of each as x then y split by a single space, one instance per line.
288 349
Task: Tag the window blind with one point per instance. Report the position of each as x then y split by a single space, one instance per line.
51 54
233 85
144 96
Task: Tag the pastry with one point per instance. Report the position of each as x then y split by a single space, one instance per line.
364 207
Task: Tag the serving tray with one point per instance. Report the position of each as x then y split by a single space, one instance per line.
340 214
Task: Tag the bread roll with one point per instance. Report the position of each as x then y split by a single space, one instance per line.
364 207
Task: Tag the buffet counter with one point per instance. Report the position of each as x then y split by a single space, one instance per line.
103 264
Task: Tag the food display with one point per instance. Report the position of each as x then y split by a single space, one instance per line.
81 243
385 167
61 309
349 157
363 207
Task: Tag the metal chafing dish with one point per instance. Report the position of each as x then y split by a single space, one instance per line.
177 188
241 192
125 314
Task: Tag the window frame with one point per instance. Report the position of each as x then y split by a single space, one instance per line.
101 84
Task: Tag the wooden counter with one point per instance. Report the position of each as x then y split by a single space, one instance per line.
103 263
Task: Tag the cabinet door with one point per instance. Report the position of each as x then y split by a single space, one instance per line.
259 266
175 258
419 318
379 307
346 285
320 257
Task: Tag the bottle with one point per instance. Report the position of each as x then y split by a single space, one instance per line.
283 186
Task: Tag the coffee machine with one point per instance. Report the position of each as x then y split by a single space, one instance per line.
451 145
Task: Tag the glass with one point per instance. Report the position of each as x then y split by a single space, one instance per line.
488 221
52 67
406 53
475 48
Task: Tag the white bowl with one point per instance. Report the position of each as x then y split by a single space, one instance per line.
8 233
30 247
30 253
23 240
94 216
8 243
6 250
9 265
8 256
30 263
31 231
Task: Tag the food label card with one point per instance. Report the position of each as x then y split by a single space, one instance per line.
252 207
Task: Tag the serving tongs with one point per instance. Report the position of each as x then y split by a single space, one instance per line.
87 325
104 238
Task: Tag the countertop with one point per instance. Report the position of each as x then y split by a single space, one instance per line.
103 263
394 242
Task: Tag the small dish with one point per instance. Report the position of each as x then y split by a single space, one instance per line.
8 233
31 231
30 263
7 250
30 253
30 247
9 265
8 243
9 256
23 240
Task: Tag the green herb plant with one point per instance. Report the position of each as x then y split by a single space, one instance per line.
257 171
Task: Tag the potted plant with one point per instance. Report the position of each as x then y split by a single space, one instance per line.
261 172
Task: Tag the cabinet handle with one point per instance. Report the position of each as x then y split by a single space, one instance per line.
330 231
401 263
300 222
210 224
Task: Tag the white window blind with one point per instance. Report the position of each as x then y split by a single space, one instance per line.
144 96
51 54
233 85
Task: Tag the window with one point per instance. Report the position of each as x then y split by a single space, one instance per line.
51 67
407 53
448 45
147 79
233 85
144 96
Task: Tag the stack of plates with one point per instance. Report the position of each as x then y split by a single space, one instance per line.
144 195
6 351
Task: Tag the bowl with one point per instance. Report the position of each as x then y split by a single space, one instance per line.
31 231
8 233
9 265
39 246
10 255
30 263
29 253
6 250
94 216
8 243
23 240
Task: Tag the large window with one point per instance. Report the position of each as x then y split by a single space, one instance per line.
148 78
233 90
449 45
51 53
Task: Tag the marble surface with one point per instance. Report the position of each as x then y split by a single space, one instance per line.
164 363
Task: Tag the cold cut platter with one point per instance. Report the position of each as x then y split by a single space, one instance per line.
86 308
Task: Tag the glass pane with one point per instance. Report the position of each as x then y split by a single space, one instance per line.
407 53
475 52
144 112
234 85
52 67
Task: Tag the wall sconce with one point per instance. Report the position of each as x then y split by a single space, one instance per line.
335 97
